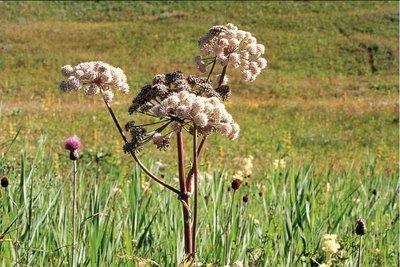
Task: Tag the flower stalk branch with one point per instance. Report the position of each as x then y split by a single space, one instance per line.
141 165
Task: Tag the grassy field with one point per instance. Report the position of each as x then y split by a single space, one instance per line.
327 103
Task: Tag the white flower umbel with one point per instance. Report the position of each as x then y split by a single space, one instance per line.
230 46
94 77
208 114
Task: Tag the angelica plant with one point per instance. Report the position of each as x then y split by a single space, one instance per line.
180 105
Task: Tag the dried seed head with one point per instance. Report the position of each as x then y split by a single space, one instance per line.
224 91
236 184
361 229
160 141
132 147
4 182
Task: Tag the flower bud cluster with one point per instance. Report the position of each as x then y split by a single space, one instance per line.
234 47
164 85
94 77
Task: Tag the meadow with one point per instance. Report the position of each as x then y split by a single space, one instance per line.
327 106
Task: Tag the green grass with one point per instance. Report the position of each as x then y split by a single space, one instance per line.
281 225
328 101
320 72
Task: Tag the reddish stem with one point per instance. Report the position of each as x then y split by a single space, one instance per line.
221 79
190 174
195 190
184 195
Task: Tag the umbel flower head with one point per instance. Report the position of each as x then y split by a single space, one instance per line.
181 103
231 46
94 77
72 144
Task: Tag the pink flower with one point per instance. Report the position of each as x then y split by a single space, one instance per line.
72 143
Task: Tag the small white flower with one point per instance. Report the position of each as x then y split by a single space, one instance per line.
108 95
252 49
224 42
67 70
197 106
260 48
91 89
182 112
176 126
246 75
262 62
234 59
234 131
200 120
222 59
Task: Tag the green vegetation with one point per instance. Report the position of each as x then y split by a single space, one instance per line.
327 103
123 218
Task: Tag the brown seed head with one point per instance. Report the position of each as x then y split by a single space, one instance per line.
236 184
361 229
4 181
246 198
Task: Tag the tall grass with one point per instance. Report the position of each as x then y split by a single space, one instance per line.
122 219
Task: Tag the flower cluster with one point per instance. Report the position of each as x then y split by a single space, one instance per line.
230 46
181 103
330 244
94 77
208 114
165 85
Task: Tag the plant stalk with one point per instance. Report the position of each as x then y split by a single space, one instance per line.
191 171
226 230
195 190
212 69
184 195
74 209
359 252
222 75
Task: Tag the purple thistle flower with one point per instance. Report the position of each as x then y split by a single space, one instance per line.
72 143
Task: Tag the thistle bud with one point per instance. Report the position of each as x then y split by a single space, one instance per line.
4 181
236 184
361 229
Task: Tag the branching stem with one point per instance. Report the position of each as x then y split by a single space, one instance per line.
141 165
